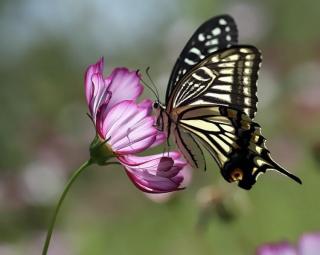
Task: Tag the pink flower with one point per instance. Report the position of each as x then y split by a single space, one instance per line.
125 128
309 244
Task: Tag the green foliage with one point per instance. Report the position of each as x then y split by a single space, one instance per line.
44 118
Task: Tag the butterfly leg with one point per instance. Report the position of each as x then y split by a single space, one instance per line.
168 146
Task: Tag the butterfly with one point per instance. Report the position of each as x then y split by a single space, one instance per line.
211 103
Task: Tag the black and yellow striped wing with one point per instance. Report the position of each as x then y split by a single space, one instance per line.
189 147
233 140
211 100
228 77
217 33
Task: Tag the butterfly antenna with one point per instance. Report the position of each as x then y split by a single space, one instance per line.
149 87
149 76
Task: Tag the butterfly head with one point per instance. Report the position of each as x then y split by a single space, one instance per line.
157 106
159 110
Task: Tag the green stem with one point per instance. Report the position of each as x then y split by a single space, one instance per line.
56 211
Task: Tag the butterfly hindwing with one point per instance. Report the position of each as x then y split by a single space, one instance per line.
234 140
219 32
227 77
190 148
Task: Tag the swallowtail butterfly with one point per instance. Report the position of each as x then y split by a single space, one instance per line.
211 101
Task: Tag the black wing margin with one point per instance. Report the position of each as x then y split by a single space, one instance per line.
217 33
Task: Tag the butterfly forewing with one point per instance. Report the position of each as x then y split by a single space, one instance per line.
234 140
217 33
227 77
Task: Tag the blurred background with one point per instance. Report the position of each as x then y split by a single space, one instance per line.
45 133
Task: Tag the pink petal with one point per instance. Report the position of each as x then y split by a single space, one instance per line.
133 160
309 244
138 138
124 85
146 104
123 117
118 116
277 249
160 138
186 172
153 184
155 174
136 146
100 95
127 127
133 130
91 70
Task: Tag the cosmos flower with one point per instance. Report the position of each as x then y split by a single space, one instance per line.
125 128
309 244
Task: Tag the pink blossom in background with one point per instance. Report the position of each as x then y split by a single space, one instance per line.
283 248
309 244
128 128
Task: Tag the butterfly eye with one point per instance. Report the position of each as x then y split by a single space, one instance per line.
236 175
155 105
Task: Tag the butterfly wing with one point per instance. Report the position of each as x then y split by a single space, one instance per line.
227 77
190 149
217 33
234 141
